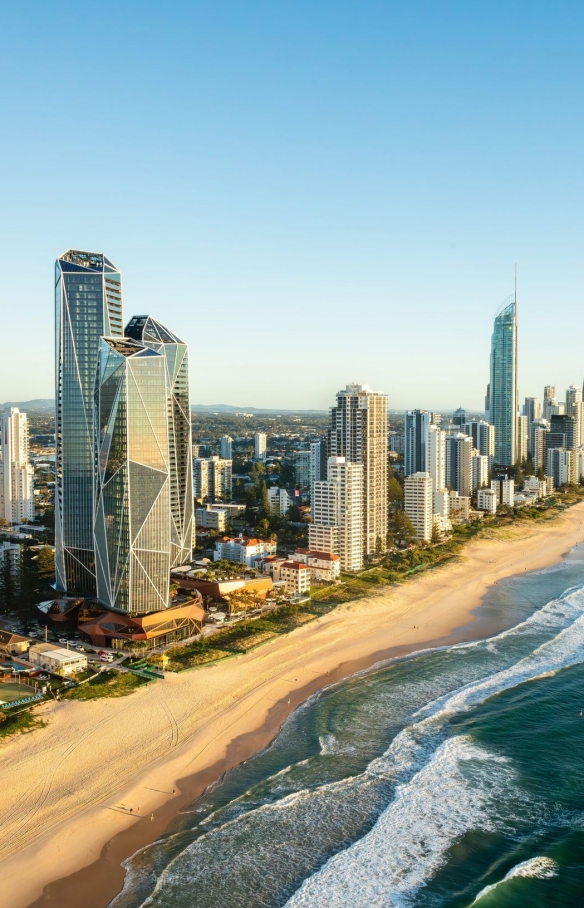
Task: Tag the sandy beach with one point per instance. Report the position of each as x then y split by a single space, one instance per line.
77 796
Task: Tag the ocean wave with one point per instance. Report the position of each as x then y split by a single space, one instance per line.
539 868
458 790
425 774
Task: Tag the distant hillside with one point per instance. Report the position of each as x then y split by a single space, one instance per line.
38 405
227 408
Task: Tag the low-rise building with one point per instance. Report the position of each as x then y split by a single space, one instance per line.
487 501
211 518
56 659
459 506
534 485
244 550
324 566
13 644
296 576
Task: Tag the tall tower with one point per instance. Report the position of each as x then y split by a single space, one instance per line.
337 511
16 472
132 501
146 330
88 304
503 401
359 434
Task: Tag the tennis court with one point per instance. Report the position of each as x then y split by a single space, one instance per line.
9 691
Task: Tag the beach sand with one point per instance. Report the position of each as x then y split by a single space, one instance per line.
66 790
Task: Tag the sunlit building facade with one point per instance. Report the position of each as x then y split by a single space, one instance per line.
132 489
152 334
503 400
88 305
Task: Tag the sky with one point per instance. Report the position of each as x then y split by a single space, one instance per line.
308 194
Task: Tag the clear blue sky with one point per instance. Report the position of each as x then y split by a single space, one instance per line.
309 193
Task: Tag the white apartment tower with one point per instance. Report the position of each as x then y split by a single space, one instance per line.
259 446
575 408
226 447
436 467
212 478
337 511
359 434
418 504
523 437
16 472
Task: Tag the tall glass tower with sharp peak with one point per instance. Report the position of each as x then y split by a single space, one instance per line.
146 330
503 389
88 304
132 488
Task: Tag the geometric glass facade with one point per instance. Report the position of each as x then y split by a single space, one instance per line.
88 304
503 390
152 334
132 488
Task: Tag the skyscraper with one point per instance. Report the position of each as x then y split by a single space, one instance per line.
16 472
337 510
503 402
155 336
418 504
359 434
575 408
132 496
416 425
531 409
88 305
459 450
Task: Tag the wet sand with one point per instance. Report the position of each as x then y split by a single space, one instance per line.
66 790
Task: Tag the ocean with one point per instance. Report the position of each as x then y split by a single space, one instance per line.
452 777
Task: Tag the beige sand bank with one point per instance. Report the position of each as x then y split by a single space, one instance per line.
66 790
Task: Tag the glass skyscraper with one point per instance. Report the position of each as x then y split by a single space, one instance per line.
88 304
132 489
503 401
148 331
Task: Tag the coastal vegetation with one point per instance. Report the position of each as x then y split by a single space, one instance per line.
105 684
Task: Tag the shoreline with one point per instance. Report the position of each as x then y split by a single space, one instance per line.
77 861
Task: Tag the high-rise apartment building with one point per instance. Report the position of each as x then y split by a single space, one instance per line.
88 305
560 466
226 447
416 423
575 408
16 472
148 331
337 512
459 450
301 461
522 438
418 504
503 402
213 478
537 443
562 434
531 409
132 495
259 446
481 470
549 402
483 436
318 461
359 434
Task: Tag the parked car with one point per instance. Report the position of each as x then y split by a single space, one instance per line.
63 641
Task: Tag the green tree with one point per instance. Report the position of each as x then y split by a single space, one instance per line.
46 562
395 491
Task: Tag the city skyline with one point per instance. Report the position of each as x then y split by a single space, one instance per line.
336 161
